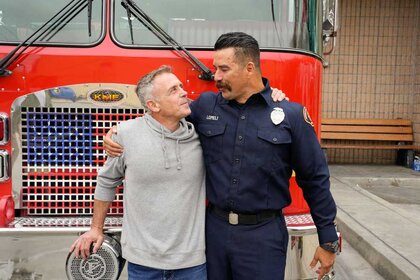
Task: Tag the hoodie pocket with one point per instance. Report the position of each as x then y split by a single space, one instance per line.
211 136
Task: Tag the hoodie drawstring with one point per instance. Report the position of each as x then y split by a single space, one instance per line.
165 153
178 156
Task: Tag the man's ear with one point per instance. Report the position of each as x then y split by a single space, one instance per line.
153 106
250 67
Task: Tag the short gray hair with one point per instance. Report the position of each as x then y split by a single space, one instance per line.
144 87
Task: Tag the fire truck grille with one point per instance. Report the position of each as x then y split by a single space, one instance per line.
61 154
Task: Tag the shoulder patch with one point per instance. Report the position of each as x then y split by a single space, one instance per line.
306 117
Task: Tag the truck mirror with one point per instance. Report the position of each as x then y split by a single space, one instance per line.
329 25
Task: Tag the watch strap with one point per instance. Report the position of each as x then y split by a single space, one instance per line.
330 246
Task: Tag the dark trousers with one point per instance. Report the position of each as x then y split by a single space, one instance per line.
245 252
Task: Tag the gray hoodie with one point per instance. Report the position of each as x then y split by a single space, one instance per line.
164 193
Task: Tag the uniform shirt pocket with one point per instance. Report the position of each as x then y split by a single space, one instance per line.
274 136
211 136
273 147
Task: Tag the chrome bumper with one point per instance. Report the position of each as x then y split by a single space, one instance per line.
41 225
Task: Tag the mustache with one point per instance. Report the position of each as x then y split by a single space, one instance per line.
223 85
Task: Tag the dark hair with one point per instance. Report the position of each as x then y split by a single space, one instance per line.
245 46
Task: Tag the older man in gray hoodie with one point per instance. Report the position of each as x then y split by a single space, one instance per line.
164 196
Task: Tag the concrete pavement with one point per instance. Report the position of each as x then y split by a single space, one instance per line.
379 215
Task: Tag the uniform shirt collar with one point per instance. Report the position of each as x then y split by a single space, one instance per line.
266 92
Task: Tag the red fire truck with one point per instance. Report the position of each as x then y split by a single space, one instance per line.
67 74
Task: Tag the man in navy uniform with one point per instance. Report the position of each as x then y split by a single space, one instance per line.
251 145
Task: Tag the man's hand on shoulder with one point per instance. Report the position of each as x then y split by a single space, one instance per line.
112 148
278 95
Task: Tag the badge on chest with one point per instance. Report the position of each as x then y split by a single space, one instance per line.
277 115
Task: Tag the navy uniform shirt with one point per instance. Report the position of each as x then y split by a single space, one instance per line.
249 159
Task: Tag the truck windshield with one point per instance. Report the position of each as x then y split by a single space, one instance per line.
197 24
19 19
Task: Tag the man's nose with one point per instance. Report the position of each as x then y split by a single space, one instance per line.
183 93
217 76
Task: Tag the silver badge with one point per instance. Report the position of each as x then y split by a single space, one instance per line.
277 115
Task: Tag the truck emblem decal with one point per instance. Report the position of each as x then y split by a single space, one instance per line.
105 96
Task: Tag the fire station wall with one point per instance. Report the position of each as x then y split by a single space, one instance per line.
374 70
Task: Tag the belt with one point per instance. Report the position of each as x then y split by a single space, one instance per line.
243 219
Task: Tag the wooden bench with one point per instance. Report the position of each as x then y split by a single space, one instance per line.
372 134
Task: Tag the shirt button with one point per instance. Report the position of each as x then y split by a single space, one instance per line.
208 132
234 181
275 139
237 160
240 137
243 117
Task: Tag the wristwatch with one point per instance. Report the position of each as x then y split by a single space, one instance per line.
330 246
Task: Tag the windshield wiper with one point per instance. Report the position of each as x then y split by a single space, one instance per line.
59 21
90 17
130 24
132 8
